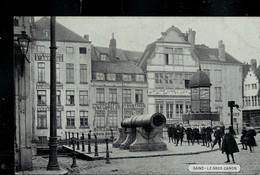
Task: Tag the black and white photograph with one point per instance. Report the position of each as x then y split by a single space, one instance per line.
136 95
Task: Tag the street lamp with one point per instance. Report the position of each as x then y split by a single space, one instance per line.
23 42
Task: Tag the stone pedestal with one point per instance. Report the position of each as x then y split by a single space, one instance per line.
130 138
121 138
147 141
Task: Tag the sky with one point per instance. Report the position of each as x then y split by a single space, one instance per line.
241 35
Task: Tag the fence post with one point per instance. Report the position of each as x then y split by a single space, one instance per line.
96 146
89 138
107 162
66 139
83 142
237 128
69 139
77 141
112 136
74 154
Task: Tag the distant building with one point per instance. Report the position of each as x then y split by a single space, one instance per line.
73 70
251 96
170 62
118 87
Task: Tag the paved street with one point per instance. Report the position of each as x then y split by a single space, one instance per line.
249 163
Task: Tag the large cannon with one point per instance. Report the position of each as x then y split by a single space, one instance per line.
143 133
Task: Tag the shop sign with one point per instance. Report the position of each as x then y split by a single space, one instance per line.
170 92
106 106
47 108
47 86
135 105
46 57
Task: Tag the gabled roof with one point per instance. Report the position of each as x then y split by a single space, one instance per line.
115 67
146 55
62 33
133 55
207 54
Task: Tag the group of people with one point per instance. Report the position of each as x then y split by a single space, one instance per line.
226 141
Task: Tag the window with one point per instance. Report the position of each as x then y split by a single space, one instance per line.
139 96
207 71
41 96
40 49
140 78
159 107
179 110
82 50
111 77
70 119
112 119
100 96
158 78
168 50
258 100
83 73
103 57
218 76
127 77
218 95
59 119
83 97
58 100
100 76
70 97
169 110
127 95
178 51
112 95
253 101
168 78
187 107
70 73
41 72
57 72
100 119
166 59
178 60
69 50
254 86
83 118
42 120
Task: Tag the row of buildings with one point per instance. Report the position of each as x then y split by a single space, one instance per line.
97 87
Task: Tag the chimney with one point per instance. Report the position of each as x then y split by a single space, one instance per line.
86 37
253 64
191 38
112 48
221 51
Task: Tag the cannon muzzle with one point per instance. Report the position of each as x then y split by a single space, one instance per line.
157 120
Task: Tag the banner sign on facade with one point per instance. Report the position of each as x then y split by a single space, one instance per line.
106 106
47 108
170 92
47 86
47 57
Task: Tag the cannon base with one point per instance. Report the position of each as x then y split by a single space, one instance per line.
130 137
121 138
147 141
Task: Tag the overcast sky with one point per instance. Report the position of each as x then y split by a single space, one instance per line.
241 35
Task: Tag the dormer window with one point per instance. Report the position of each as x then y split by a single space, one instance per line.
103 57
111 77
100 76
178 51
140 78
127 77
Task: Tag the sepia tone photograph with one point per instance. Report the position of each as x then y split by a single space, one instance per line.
136 95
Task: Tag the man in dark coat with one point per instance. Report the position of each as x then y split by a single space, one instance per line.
222 128
250 138
196 134
174 129
218 135
242 140
229 144
209 131
170 133
189 134
180 131
203 135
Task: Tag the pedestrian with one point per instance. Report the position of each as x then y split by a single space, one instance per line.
170 133
242 138
229 144
189 135
250 138
174 128
203 135
180 131
218 135
196 134
222 128
209 132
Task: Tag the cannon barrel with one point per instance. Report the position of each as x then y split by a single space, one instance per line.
157 120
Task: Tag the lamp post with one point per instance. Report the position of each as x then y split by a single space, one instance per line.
53 161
